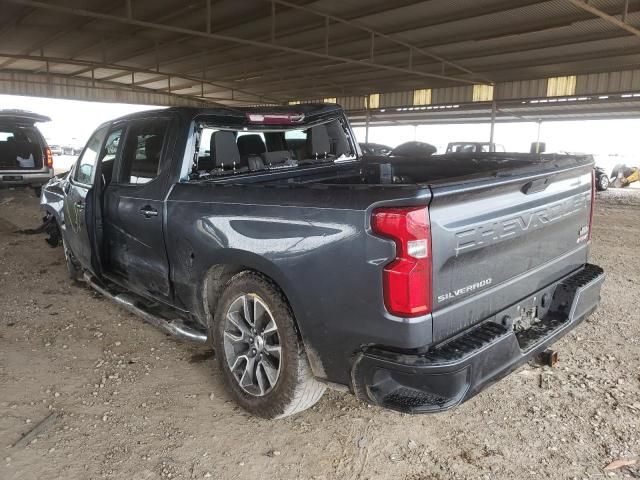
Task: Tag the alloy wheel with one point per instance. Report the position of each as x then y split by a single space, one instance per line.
252 345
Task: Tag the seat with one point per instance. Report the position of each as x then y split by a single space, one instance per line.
280 157
8 155
224 150
144 170
342 146
319 141
251 144
152 148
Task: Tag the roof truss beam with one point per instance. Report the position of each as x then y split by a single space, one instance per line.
373 33
556 22
231 39
92 66
99 85
618 22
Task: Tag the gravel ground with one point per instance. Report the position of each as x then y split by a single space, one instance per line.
131 403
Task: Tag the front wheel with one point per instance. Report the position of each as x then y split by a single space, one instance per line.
258 350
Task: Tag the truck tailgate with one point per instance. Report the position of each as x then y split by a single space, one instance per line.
496 240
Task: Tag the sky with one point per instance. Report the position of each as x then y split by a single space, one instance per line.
611 141
72 121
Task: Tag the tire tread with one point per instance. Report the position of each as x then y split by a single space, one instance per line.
306 389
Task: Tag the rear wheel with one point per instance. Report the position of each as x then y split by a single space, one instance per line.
261 357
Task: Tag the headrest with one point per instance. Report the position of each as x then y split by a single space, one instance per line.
320 143
223 148
342 146
152 147
251 144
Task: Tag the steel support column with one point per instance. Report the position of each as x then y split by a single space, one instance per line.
494 109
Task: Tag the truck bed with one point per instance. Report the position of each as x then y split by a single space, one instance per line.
502 225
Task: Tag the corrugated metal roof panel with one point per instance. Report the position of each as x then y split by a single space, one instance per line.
80 89
452 94
521 89
500 41
351 103
395 99
608 82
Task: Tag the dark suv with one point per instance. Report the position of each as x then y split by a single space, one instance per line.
25 158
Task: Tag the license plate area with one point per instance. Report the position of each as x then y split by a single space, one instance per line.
528 317
12 178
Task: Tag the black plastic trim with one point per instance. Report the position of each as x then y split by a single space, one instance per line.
455 370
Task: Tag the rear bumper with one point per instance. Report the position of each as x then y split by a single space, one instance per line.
454 371
8 179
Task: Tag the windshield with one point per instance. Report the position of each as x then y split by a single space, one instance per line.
225 151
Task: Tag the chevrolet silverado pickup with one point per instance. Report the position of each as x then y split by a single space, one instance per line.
412 283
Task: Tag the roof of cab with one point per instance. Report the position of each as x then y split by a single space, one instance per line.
311 110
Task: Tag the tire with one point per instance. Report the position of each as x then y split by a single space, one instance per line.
603 183
262 359
73 266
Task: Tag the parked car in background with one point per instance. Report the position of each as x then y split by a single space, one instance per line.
374 149
266 234
25 157
602 179
474 147
56 149
413 149
68 150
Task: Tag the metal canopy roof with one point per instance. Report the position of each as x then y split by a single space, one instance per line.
271 51
597 107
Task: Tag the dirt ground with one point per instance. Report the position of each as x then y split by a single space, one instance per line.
134 404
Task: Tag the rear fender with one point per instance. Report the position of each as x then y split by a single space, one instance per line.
235 261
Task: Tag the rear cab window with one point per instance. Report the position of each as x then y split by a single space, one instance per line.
258 146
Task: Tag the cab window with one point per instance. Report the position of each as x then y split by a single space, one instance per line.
143 150
109 152
86 166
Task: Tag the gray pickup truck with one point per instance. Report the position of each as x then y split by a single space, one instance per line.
412 283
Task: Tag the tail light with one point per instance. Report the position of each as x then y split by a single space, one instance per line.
407 279
48 157
593 203
275 118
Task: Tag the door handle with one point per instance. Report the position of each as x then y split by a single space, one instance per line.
148 212
80 205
